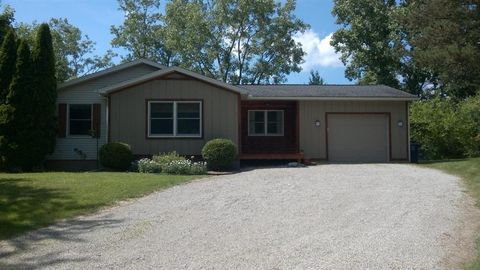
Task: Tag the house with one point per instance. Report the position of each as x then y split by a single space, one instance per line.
159 109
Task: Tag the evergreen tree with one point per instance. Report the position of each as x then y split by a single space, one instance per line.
17 117
8 55
315 78
45 95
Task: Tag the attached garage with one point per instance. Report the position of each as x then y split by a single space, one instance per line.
360 137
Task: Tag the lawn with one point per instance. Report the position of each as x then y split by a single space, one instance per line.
33 200
469 170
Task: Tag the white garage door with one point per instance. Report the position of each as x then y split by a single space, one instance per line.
358 137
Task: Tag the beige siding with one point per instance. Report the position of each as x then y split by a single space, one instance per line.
128 115
312 138
85 93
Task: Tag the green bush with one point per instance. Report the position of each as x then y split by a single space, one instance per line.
185 167
445 128
219 154
146 165
116 155
165 158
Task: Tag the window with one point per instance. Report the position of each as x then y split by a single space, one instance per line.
80 119
174 119
265 123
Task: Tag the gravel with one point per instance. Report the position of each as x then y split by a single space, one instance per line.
374 216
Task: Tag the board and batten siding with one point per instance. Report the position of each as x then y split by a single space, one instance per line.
128 116
85 93
312 138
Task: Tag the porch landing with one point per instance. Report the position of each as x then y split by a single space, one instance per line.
277 156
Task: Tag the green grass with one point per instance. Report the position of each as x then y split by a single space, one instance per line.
33 200
469 170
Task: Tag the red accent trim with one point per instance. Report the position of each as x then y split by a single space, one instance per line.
287 143
163 77
389 129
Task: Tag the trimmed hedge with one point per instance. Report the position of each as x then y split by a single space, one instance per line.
219 154
116 155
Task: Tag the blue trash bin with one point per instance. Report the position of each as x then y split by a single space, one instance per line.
414 152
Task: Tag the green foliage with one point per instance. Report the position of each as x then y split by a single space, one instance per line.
446 129
185 167
166 158
74 52
8 55
315 78
116 155
45 94
141 33
233 41
446 37
18 133
6 20
365 40
171 163
146 165
418 46
219 154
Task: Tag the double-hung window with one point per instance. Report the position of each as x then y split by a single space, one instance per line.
79 119
265 123
174 119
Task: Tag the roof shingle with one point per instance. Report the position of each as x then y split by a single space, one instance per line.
325 91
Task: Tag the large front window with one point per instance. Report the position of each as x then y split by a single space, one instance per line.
79 119
265 123
175 119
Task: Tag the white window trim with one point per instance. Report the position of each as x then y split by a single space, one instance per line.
175 133
265 113
68 121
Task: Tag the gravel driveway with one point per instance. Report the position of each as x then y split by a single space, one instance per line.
329 216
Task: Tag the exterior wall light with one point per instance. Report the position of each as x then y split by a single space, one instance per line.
400 123
317 123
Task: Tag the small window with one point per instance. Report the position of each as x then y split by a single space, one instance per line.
265 123
80 119
175 118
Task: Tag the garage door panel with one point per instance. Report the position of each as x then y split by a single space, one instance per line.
358 137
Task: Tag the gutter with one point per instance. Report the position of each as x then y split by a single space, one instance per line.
250 97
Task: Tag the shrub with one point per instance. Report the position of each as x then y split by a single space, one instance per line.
185 167
166 158
146 165
219 154
116 155
445 128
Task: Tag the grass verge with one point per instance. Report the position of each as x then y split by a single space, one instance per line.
469 170
32 200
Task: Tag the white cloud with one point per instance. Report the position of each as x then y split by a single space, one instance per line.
319 52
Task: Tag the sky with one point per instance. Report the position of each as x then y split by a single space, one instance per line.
94 18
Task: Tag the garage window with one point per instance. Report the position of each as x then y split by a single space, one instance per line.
174 119
265 123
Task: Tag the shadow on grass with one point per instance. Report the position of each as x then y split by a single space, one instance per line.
24 208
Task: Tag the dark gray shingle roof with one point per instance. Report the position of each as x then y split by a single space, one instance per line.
327 91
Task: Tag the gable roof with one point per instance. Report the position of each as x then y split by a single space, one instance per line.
326 92
170 70
109 71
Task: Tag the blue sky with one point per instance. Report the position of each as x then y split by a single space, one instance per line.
94 18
